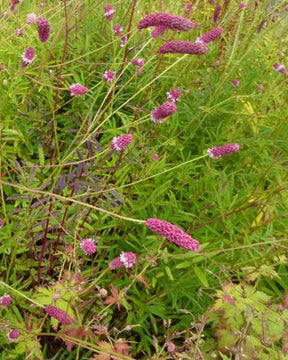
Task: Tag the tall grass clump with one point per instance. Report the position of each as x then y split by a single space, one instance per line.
143 179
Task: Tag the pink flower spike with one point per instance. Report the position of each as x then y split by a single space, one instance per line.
173 234
31 18
88 246
108 75
109 12
174 95
216 14
121 142
280 68
195 24
159 30
218 151
261 87
241 5
19 32
235 82
168 20
13 335
137 62
1 221
58 314
5 300
77 90
28 56
211 35
43 29
183 47
155 157
118 30
216 63
139 71
163 111
124 40
126 259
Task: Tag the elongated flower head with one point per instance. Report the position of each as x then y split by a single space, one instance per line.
77 90
126 259
137 62
124 40
121 142
118 30
235 82
216 14
219 151
109 12
280 68
1 221
163 111
5 300
261 87
18 32
13 335
168 20
58 314
159 30
211 35
31 18
43 29
173 234
108 75
241 5
28 56
174 95
88 246
183 47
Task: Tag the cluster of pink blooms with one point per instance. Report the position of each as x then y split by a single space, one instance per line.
13 335
218 151
28 56
18 32
77 90
109 12
118 30
173 234
241 5
43 29
121 142
211 35
139 63
108 75
183 47
216 14
169 21
126 259
235 82
174 95
13 5
163 111
59 314
88 246
1 221
31 18
5 300
280 68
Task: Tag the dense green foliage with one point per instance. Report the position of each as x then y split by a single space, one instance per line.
226 301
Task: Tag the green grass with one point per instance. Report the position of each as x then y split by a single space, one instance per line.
236 206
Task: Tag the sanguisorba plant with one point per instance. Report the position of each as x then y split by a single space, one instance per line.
105 180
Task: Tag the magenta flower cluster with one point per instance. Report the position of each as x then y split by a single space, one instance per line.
77 90
88 246
28 56
43 29
59 314
219 151
121 142
5 300
126 259
109 12
173 234
169 21
163 111
13 335
280 68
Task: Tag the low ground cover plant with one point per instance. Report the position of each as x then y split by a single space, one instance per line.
143 179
